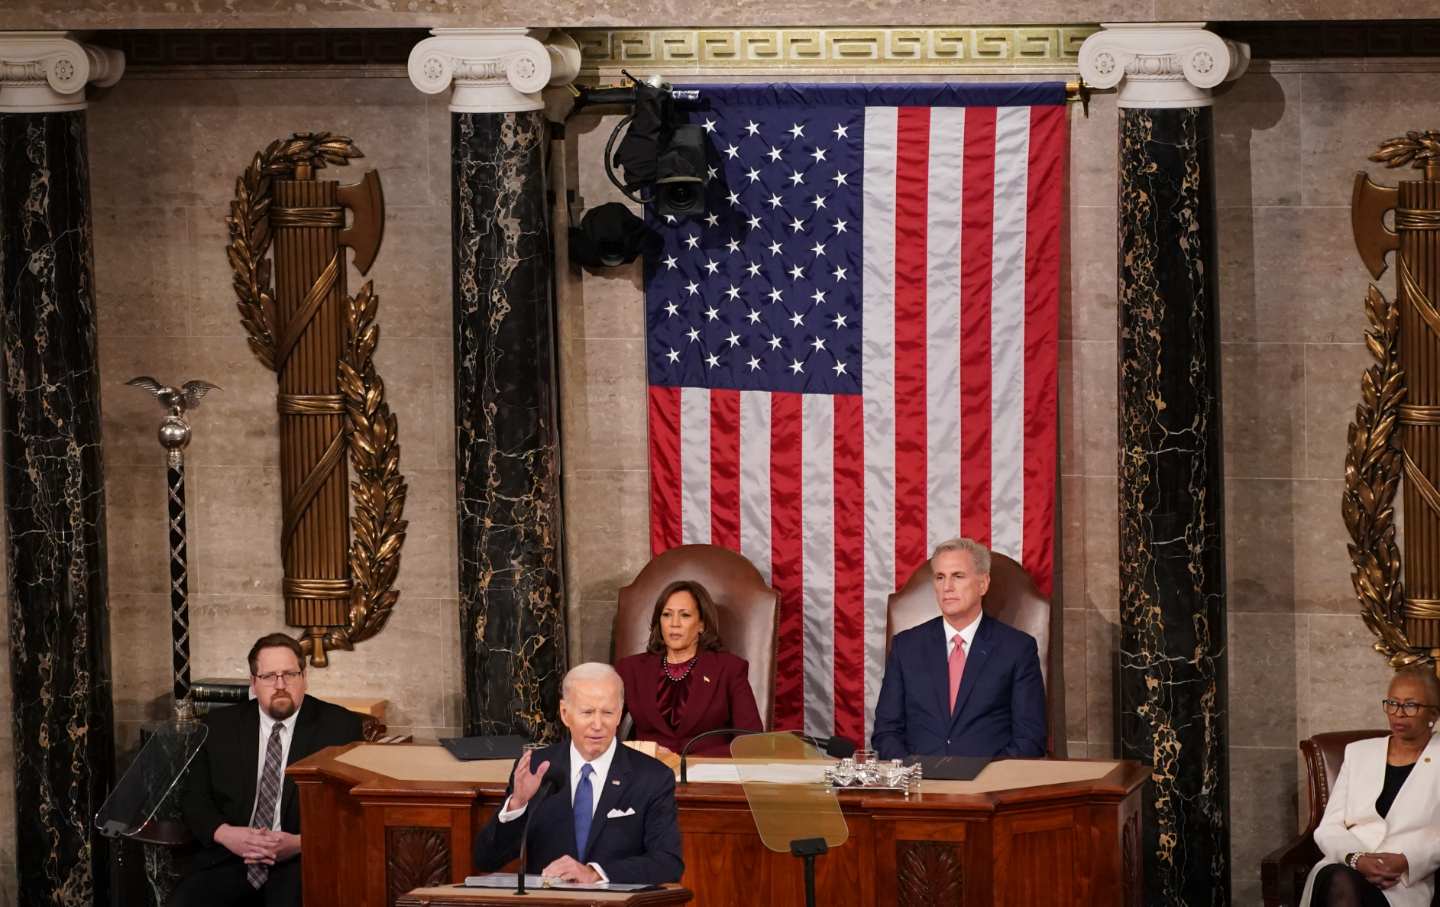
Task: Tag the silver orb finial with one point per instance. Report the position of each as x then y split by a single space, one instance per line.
174 430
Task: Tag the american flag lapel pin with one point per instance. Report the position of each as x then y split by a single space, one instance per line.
615 781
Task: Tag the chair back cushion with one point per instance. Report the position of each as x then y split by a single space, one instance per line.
1323 755
748 610
1011 599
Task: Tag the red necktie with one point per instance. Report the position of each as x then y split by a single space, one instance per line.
957 669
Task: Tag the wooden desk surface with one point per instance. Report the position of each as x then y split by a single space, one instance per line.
425 765
458 896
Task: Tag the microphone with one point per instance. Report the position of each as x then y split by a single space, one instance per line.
685 750
836 747
547 784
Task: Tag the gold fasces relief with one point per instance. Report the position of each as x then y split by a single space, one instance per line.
1396 432
340 562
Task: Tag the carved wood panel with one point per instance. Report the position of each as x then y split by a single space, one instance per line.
1133 866
928 873
415 858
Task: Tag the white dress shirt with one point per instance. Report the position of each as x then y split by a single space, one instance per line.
286 735
967 635
600 770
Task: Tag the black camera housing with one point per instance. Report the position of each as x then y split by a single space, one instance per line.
681 174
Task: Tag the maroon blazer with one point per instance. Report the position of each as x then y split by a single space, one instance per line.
720 696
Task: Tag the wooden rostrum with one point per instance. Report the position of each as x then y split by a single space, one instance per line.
320 341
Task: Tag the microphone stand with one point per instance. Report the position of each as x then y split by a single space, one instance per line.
807 849
531 808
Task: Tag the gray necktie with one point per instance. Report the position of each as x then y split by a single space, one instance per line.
257 873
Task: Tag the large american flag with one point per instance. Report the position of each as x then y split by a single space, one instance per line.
852 354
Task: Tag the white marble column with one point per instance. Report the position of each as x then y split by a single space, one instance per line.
1175 64
494 70
1172 676
46 72
507 442
54 488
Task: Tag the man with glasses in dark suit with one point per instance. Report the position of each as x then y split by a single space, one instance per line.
237 803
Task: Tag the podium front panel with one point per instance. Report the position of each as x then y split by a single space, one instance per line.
1032 834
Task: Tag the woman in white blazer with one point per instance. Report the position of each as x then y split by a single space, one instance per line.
1380 836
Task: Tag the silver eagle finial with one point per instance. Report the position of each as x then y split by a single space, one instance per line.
174 430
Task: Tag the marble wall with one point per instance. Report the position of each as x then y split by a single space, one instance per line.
164 152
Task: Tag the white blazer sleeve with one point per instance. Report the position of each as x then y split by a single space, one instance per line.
1422 856
1422 848
1332 836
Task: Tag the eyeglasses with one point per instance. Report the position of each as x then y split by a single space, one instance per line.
1408 709
273 677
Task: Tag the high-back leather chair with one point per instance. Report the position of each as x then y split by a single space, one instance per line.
748 610
1011 599
1283 872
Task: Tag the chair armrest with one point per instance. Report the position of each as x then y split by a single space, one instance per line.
1283 871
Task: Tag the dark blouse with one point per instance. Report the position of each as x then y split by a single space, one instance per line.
672 691
1395 776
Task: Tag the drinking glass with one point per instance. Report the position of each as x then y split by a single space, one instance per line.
867 765
893 773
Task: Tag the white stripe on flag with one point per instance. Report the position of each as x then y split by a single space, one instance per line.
942 323
818 534
878 387
1007 332
755 479
695 465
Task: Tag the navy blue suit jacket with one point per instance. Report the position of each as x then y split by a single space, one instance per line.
640 848
999 711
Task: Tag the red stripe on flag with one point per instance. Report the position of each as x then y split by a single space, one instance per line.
725 469
912 182
1042 293
849 567
664 468
977 228
787 567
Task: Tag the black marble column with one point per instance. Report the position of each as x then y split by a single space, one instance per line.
54 510
512 621
1172 565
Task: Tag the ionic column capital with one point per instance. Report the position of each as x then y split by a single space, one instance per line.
493 70
1173 64
47 71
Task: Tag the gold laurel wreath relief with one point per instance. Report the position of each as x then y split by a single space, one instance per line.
1373 464
377 526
